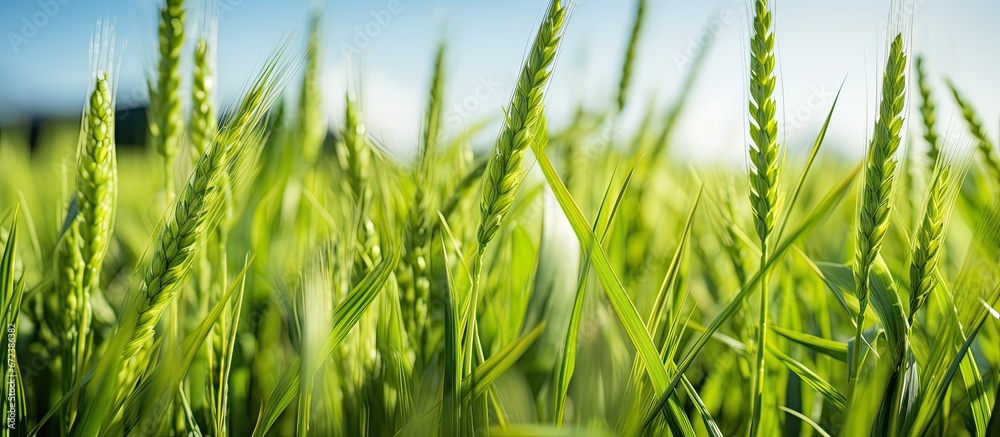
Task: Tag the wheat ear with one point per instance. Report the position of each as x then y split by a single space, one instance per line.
630 53
928 115
204 121
197 210
169 120
353 154
764 151
85 242
503 171
928 239
879 178
312 126
416 297
97 186
986 146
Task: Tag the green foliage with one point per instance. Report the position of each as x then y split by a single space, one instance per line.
340 291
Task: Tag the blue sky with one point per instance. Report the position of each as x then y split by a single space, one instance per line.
820 43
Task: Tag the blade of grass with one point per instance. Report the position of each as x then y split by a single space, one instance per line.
831 348
805 419
451 414
800 183
976 390
938 392
567 365
817 383
837 288
345 316
11 292
660 303
146 405
822 210
993 428
498 363
656 315
619 298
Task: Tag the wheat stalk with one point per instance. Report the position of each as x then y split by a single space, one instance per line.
879 178
503 172
176 245
986 147
354 155
435 106
169 121
74 312
927 112
203 118
204 126
87 236
416 296
764 151
929 238
96 178
197 210
523 122
312 126
630 54
211 262
96 186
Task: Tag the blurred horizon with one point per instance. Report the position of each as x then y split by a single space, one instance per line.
383 49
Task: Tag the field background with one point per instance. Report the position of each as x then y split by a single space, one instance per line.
509 218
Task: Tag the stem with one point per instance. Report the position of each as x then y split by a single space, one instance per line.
168 178
855 368
758 382
470 327
897 392
472 347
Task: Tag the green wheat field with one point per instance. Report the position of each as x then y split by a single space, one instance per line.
247 273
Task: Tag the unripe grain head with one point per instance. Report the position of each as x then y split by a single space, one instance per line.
503 172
